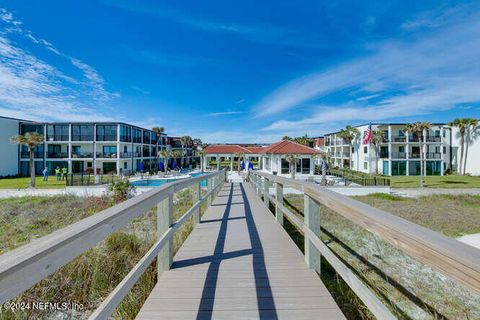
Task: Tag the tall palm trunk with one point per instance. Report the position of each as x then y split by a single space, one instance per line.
32 167
462 147
376 161
421 162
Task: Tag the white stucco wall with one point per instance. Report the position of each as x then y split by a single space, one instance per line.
472 154
8 151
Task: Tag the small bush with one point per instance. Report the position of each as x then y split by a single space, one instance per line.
121 189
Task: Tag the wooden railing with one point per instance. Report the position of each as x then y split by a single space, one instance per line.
457 261
21 268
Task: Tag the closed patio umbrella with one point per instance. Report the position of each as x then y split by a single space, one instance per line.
174 165
160 166
243 166
250 166
141 166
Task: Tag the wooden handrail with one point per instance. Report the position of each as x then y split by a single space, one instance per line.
456 260
23 267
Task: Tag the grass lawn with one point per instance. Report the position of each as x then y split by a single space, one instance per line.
22 183
451 181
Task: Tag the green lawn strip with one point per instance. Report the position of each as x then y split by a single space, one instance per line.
23 183
450 181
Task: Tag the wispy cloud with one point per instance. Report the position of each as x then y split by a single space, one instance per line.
225 113
426 73
34 89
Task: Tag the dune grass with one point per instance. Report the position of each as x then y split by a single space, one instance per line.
89 278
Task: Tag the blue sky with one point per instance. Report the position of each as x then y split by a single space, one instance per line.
244 71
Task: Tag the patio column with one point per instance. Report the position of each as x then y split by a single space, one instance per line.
231 162
312 166
218 162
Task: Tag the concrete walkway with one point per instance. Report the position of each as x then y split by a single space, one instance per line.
418 192
471 239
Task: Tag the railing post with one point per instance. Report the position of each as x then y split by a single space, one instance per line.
312 221
195 197
265 191
209 187
279 198
164 221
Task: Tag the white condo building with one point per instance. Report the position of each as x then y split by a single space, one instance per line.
84 147
399 154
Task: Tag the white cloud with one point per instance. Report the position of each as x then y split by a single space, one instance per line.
225 113
438 71
31 88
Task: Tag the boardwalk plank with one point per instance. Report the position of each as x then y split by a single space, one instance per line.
238 263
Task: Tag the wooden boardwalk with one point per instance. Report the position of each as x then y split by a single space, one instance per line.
238 263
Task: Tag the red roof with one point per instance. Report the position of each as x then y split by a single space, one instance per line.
228 149
256 150
288 147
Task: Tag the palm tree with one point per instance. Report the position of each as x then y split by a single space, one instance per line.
418 128
158 130
287 138
292 160
165 155
305 140
463 124
323 167
348 135
201 153
376 139
185 141
473 127
239 156
31 140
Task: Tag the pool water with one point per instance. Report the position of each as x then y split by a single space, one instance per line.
159 182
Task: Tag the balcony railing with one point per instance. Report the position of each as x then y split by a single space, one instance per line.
434 139
57 155
399 138
82 137
106 138
414 156
85 154
107 155
58 137
399 155
36 154
130 154
433 155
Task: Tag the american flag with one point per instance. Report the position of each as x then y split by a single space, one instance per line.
367 135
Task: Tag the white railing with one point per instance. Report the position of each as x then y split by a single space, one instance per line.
21 268
456 260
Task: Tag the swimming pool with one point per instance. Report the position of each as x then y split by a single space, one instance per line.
160 182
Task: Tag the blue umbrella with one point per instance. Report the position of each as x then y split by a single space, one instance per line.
174 165
160 166
243 166
250 166
141 166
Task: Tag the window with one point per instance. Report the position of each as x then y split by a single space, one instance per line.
125 134
125 149
82 132
383 152
365 165
437 133
444 150
401 149
285 167
146 137
106 133
444 133
401 133
125 165
24 128
57 132
365 149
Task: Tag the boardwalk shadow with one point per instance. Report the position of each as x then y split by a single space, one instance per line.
265 302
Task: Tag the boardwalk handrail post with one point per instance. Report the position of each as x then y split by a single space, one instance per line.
209 188
312 222
265 191
279 200
195 198
164 221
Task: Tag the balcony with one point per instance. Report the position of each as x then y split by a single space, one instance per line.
57 155
82 155
130 155
26 154
399 155
107 155
82 137
58 137
101 138
342 155
433 155
414 155
434 139
399 139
